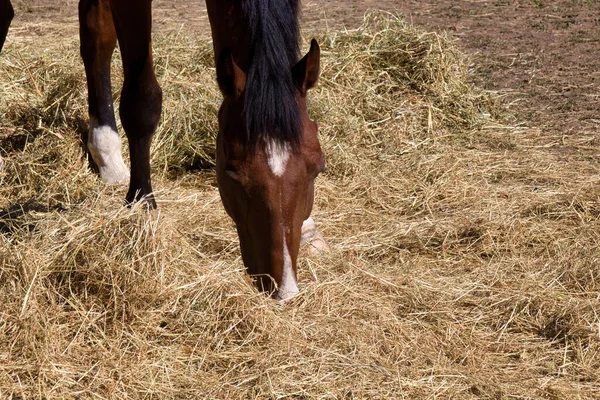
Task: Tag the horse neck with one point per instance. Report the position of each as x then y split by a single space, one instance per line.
243 25
263 37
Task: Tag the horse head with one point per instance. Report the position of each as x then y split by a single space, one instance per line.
267 185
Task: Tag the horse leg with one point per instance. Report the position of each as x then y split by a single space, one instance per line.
312 236
98 41
6 15
141 97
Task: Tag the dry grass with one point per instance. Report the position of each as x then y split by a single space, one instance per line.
465 252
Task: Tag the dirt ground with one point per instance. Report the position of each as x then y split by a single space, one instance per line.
542 55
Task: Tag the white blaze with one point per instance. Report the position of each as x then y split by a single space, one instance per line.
104 145
289 286
277 156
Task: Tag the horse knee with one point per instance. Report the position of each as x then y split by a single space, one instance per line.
141 107
140 111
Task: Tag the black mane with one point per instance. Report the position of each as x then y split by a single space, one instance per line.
270 108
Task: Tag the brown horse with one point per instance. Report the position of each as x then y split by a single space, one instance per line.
268 152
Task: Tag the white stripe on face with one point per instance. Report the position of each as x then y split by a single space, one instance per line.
277 156
289 286
104 145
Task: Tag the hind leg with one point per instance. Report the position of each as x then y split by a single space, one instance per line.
98 41
141 97
6 15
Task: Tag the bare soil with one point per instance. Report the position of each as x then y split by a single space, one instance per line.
543 55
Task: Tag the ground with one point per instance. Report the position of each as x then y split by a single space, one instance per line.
540 54
465 258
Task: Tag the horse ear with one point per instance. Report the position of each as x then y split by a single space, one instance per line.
306 71
231 78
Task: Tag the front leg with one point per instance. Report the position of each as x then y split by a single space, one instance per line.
141 97
98 41
6 15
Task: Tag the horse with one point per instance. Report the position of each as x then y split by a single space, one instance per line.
268 151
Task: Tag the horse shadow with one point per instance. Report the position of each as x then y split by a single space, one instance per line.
14 218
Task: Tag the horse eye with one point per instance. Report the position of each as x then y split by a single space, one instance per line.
233 175
320 165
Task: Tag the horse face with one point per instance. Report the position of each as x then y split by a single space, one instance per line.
268 191
269 194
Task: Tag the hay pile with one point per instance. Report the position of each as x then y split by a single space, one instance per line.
464 263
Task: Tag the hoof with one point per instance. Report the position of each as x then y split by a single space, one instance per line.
146 201
312 236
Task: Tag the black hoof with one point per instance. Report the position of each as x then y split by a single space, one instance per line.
147 200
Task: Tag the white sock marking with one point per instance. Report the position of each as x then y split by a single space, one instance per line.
104 145
289 286
312 236
309 230
277 156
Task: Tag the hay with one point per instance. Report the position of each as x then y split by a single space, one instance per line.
464 264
